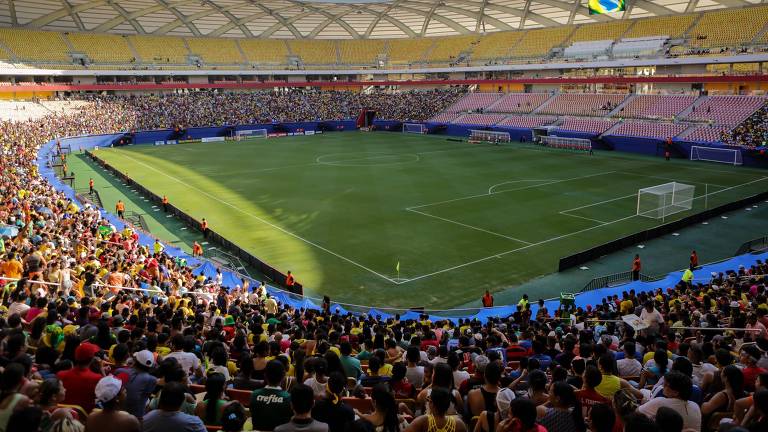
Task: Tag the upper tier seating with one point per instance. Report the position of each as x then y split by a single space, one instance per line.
447 49
264 51
656 106
526 122
519 102
360 52
649 129
537 43
480 119
475 101
408 51
673 26
729 27
706 133
160 49
727 110
583 104
496 45
102 48
216 51
612 30
588 125
314 52
34 45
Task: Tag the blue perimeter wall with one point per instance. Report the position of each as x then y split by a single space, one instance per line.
231 278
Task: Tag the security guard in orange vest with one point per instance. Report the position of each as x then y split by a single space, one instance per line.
120 208
165 203
204 228
197 249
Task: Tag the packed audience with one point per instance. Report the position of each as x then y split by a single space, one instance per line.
100 333
753 132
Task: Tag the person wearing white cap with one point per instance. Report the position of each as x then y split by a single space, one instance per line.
140 384
504 397
110 393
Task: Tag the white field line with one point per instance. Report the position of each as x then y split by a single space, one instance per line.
565 213
469 226
671 179
490 189
499 255
598 203
234 207
509 190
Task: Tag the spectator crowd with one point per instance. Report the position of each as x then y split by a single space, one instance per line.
83 348
753 132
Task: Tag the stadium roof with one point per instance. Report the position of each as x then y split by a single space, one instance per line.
323 19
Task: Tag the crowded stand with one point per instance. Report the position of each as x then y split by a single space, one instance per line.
85 348
753 132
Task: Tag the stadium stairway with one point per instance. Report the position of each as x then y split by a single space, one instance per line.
545 103
695 104
685 133
611 129
621 106
759 36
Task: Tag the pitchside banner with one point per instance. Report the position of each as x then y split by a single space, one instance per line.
606 6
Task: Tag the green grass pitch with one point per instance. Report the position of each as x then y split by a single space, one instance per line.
340 210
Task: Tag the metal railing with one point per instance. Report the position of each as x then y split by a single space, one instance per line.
755 245
613 280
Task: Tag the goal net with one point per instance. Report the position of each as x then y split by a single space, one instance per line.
577 144
660 201
250 133
714 154
477 136
416 128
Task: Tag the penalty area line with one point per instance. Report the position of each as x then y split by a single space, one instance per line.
469 226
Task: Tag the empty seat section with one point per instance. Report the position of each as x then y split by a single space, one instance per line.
583 104
656 106
447 49
475 101
160 49
264 51
407 51
673 26
537 43
318 52
727 110
496 45
587 125
479 119
34 45
216 51
649 129
361 52
527 122
446 117
706 134
730 27
519 102
601 31
102 48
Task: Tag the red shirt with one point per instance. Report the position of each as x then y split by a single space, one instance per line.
750 374
80 385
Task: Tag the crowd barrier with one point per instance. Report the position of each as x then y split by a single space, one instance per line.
298 301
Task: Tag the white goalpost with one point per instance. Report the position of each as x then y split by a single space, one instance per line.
249 133
416 128
660 201
494 137
715 154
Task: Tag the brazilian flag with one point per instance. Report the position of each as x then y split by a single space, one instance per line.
606 6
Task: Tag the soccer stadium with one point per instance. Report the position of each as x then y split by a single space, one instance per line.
384 215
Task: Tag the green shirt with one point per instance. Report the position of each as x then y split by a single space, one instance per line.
270 407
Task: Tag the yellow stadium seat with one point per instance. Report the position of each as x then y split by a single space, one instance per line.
160 49
264 51
673 26
402 51
316 52
538 42
101 48
496 45
611 30
727 28
216 51
35 45
361 52
447 49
